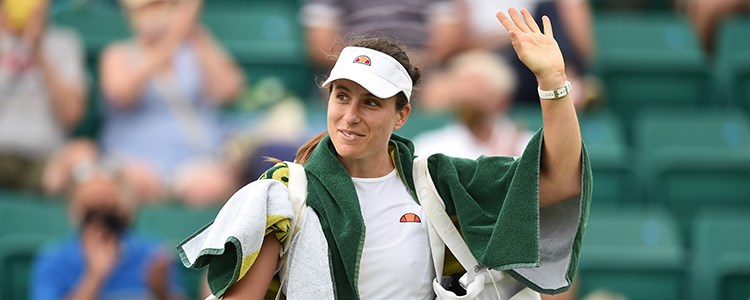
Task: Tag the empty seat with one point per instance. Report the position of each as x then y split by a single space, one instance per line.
421 121
96 26
17 254
21 214
636 253
604 138
650 61
720 267
266 39
733 61
610 163
694 159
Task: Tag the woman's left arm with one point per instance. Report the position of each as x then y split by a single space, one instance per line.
560 174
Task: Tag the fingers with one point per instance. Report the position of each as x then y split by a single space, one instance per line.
530 20
518 20
507 23
547 26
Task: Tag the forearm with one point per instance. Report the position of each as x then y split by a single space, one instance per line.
224 80
67 98
560 176
88 288
443 34
123 88
321 44
576 15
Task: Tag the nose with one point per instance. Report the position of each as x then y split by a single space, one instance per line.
351 116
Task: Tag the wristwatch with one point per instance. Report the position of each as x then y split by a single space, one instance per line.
555 94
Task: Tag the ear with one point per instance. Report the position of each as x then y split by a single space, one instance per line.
403 115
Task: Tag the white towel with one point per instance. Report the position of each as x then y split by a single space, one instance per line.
230 244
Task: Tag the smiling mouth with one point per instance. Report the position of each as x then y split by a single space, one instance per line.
350 135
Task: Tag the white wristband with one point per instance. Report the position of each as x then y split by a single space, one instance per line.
555 94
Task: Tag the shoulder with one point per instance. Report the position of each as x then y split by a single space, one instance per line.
279 172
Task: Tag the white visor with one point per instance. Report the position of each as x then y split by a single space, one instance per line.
377 72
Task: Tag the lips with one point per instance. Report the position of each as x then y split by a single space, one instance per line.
350 135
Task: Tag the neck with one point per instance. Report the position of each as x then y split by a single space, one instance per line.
375 166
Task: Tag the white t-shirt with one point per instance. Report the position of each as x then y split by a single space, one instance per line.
396 261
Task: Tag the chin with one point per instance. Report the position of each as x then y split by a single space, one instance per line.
347 151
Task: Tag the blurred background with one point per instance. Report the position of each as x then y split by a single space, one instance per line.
125 124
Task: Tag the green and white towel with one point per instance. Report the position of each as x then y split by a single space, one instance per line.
230 244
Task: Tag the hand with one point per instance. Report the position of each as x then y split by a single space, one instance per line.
158 275
536 49
101 250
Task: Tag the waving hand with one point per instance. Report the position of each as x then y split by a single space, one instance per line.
536 49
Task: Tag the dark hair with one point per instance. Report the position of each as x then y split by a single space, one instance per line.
389 46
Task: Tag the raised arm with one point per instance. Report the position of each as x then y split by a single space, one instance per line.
560 176
122 88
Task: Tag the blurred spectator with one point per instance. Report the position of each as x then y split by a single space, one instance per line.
604 295
104 260
42 91
163 90
430 28
706 16
478 87
571 21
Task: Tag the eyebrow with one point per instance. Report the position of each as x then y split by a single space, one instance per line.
368 94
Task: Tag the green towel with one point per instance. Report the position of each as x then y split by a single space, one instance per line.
496 200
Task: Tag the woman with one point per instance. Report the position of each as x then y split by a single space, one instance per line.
163 89
524 215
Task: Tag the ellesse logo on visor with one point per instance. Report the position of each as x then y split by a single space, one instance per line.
362 59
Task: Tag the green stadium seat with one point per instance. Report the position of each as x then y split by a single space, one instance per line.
636 253
693 160
26 222
632 5
97 28
721 257
650 61
172 224
266 39
733 61
21 214
421 121
605 142
17 254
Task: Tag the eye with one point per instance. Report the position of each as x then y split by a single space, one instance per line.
372 103
342 97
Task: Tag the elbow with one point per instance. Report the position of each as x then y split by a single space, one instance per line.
553 190
120 98
70 115
227 90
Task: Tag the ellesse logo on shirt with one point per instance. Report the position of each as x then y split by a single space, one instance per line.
410 218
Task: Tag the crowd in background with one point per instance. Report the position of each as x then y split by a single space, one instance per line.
162 91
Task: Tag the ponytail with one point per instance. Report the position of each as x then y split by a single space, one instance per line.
304 151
